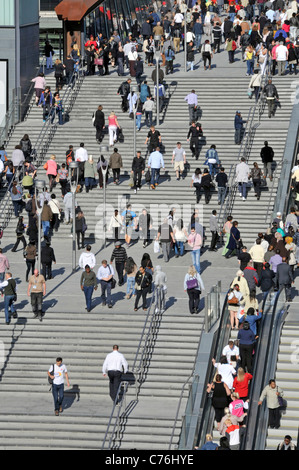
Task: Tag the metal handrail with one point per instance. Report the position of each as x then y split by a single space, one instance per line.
275 176
42 144
140 364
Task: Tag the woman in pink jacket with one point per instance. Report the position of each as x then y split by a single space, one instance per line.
51 167
195 243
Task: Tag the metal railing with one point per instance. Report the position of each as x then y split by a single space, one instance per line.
121 411
42 143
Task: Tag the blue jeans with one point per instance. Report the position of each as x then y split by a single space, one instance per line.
179 248
131 285
46 227
89 182
106 287
88 291
58 394
198 40
195 254
155 176
250 67
138 120
221 194
191 65
243 189
212 168
8 303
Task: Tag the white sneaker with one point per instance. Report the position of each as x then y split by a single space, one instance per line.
244 198
240 194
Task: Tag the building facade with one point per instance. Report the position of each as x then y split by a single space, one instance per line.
19 49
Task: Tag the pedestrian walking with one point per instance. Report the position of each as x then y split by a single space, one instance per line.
242 177
4 265
119 255
239 128
114 366
115 163
195 243
179 160
138 167
58 373
155 163
47 258
165 237
105 276
20 230
221 180
8 288
88 283
273 394
192 101
143 283
194 286
37 290
214 228
129 220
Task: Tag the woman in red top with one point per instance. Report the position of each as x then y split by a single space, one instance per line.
241 383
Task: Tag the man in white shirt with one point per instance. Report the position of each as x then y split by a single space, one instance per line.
281 53
57 373
231 351
105 275
114 365
81 156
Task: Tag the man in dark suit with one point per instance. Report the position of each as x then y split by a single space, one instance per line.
285 278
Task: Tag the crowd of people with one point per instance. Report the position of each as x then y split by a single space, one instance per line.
269 263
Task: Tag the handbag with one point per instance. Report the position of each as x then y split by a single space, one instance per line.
156 247
280 399
148 176
233 301
192 283
112 280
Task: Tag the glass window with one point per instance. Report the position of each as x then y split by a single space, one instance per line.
7 13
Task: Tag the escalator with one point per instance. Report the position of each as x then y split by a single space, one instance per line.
265 358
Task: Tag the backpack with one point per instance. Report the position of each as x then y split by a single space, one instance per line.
234 46
49 378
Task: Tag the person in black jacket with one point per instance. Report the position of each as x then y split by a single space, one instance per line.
266 279
267 156
206 182
138 167
47 258
20 234
124 91
143 285
99 123
195 132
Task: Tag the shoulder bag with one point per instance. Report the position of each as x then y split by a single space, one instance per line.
112 280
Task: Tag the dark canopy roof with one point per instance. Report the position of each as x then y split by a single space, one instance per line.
75 10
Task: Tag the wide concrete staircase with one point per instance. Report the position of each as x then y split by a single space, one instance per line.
83 341
218 102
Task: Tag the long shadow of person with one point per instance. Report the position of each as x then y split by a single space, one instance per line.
70 396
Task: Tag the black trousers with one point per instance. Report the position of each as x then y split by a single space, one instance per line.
274 417
82 239
20 239
120 271
194 298
115 380
141 293
246 357
30 263
47 270
137 179
194 147
214 240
